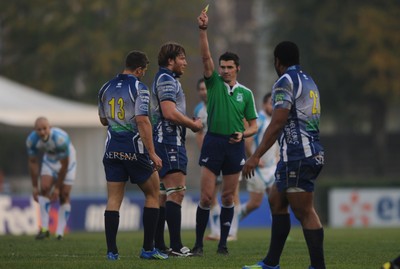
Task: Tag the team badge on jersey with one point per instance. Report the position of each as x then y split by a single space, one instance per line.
239 97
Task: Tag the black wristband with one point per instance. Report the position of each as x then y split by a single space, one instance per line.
203 27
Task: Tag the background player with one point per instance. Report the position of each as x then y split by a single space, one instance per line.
56 169
124 104
264 175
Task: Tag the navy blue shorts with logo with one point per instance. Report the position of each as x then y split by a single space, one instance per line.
173 158
301 173
218 155
121 166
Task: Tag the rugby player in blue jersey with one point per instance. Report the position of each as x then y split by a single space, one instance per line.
171 122
124 105
295 124
56 170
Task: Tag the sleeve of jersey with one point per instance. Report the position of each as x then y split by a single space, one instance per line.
250 110
62 142
197 110
100 96
282 94
210 82
142 104
166 89
30 146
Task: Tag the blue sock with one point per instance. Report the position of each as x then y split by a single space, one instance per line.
202 216
150 217
226 218
159 236
315 241
111 223
280 229
174 217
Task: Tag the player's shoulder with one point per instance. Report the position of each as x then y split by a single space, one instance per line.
244 88
165 75
59 136
198 107
285 81
32 139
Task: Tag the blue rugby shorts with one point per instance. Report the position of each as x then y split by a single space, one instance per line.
218 155
300 173
121 166
173 158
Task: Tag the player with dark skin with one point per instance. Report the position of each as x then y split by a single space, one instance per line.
296 107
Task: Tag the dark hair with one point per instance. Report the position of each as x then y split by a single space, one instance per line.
169 51
288 53
266 97
199 82
229 56
136 59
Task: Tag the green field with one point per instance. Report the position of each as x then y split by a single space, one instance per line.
344 248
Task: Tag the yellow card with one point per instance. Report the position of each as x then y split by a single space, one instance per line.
206 8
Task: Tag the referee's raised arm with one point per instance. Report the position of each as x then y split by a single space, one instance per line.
208 63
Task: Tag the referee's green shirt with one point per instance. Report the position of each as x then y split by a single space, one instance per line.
226 107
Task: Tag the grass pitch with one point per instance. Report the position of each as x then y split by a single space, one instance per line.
344 248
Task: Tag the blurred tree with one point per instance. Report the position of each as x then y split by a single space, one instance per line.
69 48
353 51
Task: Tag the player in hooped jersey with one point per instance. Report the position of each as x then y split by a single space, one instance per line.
124 104
56 170
171 122
295 123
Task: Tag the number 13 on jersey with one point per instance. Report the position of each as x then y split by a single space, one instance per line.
120 110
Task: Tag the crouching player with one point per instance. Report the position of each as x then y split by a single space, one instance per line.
57 169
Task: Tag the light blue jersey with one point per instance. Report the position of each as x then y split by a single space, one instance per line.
57 147
166 87
200 111
120 100
296 91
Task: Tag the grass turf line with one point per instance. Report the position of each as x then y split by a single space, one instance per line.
344 248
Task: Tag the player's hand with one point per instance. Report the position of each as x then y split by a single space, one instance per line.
197 125
249 166
35 194
236 137
55 195
261 164
157 162
202 19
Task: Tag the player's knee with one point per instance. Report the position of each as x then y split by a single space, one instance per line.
206 201
227 198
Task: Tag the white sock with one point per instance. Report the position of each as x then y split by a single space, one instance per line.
44 204
63 215
215 211
243 211
235 221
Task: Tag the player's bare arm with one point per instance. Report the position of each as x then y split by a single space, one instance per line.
208 63
33 165
172 114
278 121
146 134
104 121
